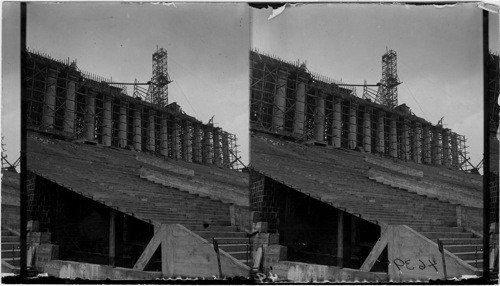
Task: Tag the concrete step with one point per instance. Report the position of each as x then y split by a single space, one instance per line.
215 228
241 247
10 245
458 248
448 235
469 255
461 241
11 253
10 238
432 228
210 234
232 240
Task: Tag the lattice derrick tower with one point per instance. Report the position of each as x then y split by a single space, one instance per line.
160 79
388 92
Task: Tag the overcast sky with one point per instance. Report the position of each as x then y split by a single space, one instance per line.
207 49
439 54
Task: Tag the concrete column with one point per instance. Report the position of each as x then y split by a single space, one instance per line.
367 130
426 148
151 144
417 143
454 151
340 238
437 147
207 146
197 144
319 118
187 144
106 122
217 147
225 150
446 148
393 138
381 132
69 109
337 123
122 131
352 126
90 116
137 129
49 102
300 104
280 101
112 237
164 136
176 140
406 141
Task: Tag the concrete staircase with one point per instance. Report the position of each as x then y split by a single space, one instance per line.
457 240
207 217
11 252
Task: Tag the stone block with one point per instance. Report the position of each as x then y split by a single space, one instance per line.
45 253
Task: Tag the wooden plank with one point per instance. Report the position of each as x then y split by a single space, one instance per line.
150 249
112 237
340 238
376 251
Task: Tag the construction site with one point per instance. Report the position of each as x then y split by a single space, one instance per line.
126 187
357 187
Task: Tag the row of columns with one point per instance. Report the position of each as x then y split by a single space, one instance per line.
207 145
440 149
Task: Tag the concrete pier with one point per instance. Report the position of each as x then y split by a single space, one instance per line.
300 104
446 148
106 121
176 140
367 130
89 130
69 107
187 144
207 149
337 123
352 126
217 147
49 103
381 132
393 138
437 147
454 151
122 127
164 136
280 101
319 118
137 129
406 141
225 150
151 144
197 143
417 143
426 148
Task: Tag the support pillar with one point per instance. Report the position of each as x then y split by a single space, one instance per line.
207 149
340 239
381 132
137 129
426 148
112 237
280 101
197 144
106 122
90 116
417 143
49 102
69 107
187 142
122 131
437 147
151 144
454 151
300 103
352 125
393 138
176 140
164 136
337 123
446 148
406 141
217 148
319 118
367 130
225 150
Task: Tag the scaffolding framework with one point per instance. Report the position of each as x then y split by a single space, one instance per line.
77 105
160 79
286 99
388 91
